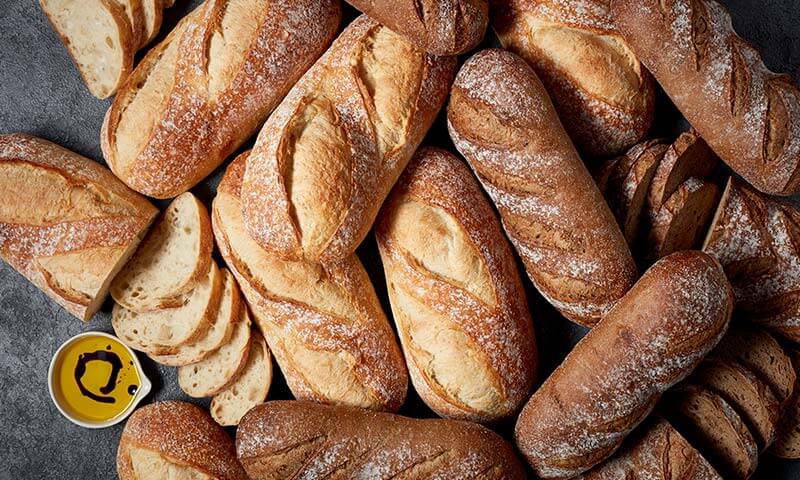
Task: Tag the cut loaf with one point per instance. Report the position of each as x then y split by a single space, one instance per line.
249 390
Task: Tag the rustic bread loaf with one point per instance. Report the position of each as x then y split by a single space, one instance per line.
176 440
654 451
289 439
441 27
251 388
502 121
455 291
749 115
323 323
207 87
326 159
755 238
787 441
653 338
171 260
66 223
604 96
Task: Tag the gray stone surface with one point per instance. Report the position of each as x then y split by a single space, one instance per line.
41 93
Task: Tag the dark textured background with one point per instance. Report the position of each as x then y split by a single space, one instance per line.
42 94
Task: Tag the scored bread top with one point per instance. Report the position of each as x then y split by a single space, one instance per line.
250 389
175 255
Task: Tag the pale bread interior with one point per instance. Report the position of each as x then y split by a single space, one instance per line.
249 390
152 20
150 465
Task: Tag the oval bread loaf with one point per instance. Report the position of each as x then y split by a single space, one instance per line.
329 155
456 295
323 323
251 388
441 27
288 440
604 96
502 121
208 86
653 338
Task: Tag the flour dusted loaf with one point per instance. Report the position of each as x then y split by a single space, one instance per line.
502 121
323 323
208 86
66 223
329 155
441 27
749 115
604 96
456 295
176 440
755 238
653 338
294 439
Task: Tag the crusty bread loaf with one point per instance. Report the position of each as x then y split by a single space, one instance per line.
456 295
251 388
66 223
441 27
604 96
755 238
176 440
287 440
504 124
208 86
219 334
323 323
174 256
326 159
787 441
654 337
99 37
749 115
655 451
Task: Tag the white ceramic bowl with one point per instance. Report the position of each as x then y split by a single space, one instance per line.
142 392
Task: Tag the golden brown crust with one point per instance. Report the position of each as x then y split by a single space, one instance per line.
653 338
502 121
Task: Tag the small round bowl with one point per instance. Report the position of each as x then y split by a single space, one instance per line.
142 391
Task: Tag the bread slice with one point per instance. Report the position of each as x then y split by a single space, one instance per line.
220 332
174 256
134 11
759 352
249 390
99 38
161 332
709 423
153 16
787 441
752 399
220 369
683 220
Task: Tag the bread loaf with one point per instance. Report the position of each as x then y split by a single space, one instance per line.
749 115
653 338
326 159
604 96
456 295
176 440
755 239
655 451
287 440
441 27
208 86
66 223
502 121
323 323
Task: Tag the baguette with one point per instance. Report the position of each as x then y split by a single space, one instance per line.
67 224
323 323
441 27
288 440
367 104
176 440
604 96
199 94
456 295
755 239
749 115
653 338
502 121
